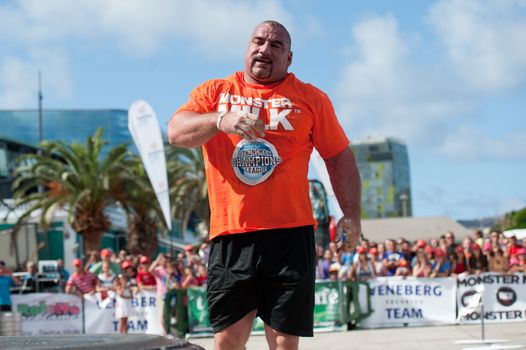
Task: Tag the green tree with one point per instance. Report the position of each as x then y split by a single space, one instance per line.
78 178
514 220
188 189
145 217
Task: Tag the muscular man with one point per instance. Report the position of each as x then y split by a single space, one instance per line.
258 128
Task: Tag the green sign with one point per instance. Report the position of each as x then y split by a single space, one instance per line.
329 309
198 311
328 306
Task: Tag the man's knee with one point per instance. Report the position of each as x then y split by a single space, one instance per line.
227 341
281 341
287 342
235 336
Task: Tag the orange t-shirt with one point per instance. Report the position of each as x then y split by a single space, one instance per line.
263 185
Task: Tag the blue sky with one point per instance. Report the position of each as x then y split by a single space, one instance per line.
447 77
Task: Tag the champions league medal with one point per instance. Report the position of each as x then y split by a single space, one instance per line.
254 161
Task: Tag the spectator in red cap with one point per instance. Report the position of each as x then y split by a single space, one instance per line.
189 253
477 261
126 288
421 244
460 264
105 255
512 248
362 269
430 252
159 270
521 264
376 261
145 279
81 282
403 269
442 266
422 266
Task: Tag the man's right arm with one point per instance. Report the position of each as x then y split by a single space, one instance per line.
190 129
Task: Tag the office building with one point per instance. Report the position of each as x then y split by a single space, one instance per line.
67 125
384 169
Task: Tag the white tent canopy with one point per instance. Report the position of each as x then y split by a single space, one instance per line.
520 233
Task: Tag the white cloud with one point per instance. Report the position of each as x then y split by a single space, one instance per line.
382 92
386 89
19 77
469 143
485 40
38 33
216 28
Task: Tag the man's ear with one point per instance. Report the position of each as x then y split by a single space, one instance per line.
289 59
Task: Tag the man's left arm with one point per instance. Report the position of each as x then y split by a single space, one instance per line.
345 181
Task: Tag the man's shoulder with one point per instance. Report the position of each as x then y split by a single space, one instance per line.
307 87
216 83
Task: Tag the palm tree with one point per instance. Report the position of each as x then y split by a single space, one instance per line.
188 189
145 217
78 178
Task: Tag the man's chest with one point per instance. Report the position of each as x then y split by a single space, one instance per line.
281 113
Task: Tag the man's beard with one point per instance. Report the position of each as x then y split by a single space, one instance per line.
260 72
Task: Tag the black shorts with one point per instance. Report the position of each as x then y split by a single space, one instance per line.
269 270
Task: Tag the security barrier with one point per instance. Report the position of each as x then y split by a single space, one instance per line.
174 312
381 302
336 304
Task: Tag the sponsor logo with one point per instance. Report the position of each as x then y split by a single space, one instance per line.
254 161
278 108
59 310
466 297
506 296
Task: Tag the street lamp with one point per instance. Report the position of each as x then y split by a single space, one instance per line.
404 198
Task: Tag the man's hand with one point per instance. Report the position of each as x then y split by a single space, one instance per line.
352 230
244 124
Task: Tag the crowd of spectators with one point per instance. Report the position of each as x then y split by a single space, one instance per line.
440 257
116 275
106 271
121 275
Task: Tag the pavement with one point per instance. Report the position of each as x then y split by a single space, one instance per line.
94 342
416 338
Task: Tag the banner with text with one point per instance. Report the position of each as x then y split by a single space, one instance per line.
49 313
145 131
328 309
504 297
329 306
145 314
402 302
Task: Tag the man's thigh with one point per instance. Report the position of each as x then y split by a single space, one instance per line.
232 288
287 281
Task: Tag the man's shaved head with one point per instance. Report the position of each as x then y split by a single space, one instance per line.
268 54
276 24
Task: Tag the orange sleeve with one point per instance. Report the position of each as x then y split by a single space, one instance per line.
328 135
202 99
